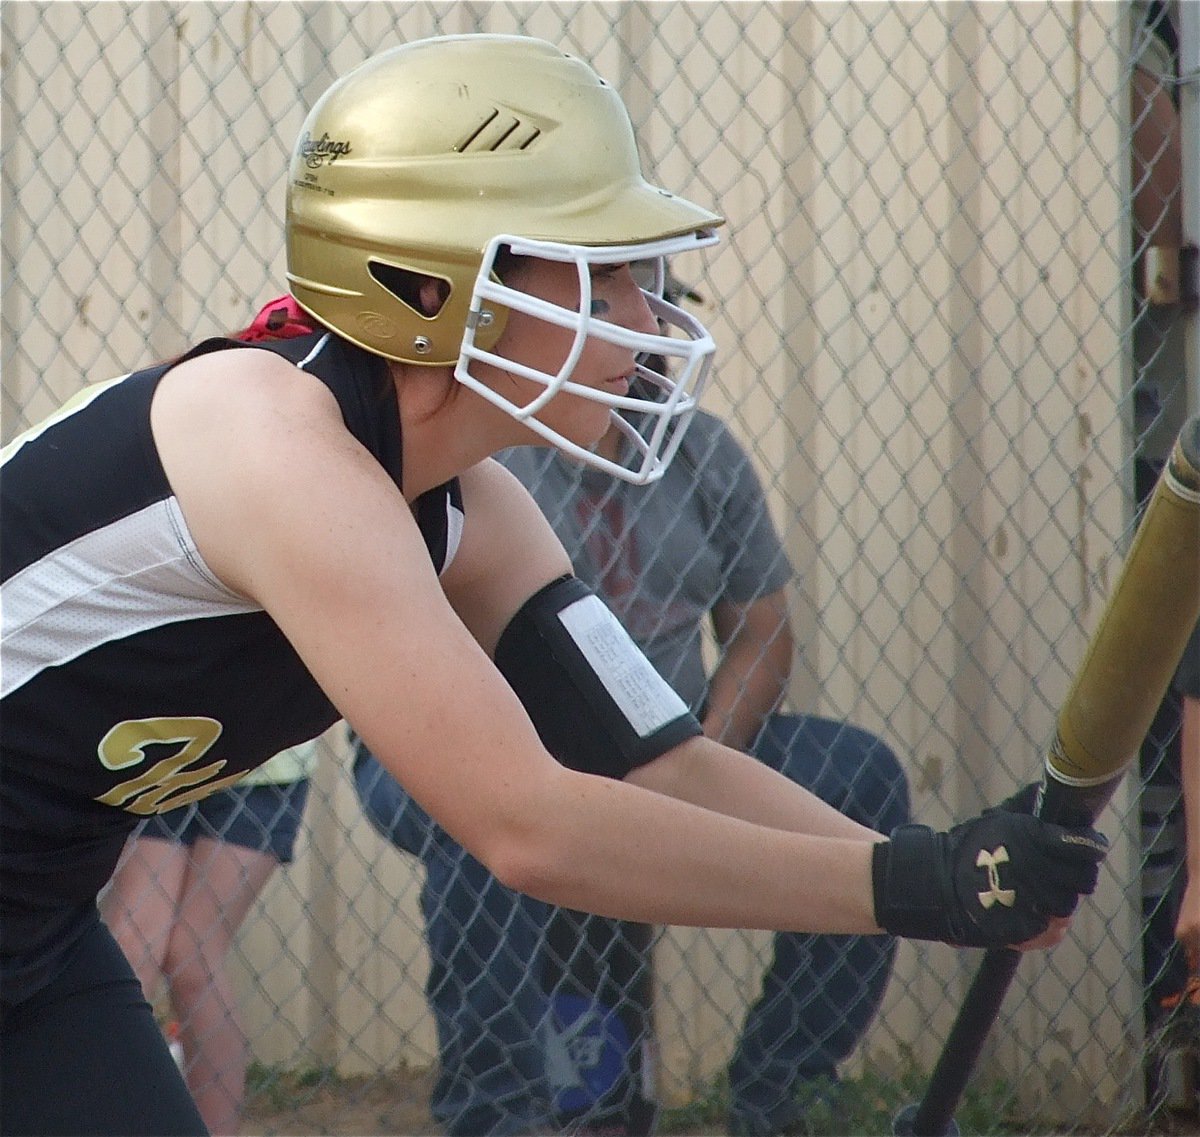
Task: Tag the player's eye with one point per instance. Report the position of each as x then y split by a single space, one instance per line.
603 275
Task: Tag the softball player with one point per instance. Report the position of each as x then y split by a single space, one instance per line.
210 560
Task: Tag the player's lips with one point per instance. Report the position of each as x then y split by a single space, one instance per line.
621 381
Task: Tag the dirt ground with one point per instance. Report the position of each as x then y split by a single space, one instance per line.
391 1104
395 1103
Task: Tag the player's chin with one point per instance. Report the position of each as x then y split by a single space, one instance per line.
589 422
1055 933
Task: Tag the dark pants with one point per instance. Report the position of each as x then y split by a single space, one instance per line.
85 1056
486 945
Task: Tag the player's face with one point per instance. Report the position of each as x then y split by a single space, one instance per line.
603 366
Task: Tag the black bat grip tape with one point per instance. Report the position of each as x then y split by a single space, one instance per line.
934 1116
1064 805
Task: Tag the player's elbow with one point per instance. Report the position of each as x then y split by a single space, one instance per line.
519 867
529 863
527 849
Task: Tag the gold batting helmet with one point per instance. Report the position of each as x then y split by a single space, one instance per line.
425 160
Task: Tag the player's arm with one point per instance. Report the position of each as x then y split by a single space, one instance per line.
750 678
288 509
494 575
716 777
565 654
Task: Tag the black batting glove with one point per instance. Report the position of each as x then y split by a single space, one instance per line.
990 882
1032 799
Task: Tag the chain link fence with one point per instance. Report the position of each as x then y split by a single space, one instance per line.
944 339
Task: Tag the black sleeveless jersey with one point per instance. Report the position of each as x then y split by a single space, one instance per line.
133 681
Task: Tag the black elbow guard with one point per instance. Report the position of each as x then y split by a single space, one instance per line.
597 702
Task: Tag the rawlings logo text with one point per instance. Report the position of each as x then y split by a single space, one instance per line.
324 149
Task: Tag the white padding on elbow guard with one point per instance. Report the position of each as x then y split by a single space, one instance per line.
641 694
597 702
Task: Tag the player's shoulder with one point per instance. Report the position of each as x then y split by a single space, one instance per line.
231 363
248 385
498 505
494 484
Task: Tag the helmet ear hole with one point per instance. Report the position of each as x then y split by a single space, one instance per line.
423 293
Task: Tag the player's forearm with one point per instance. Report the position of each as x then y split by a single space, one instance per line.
713 776
611 848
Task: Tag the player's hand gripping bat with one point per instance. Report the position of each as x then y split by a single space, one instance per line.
1126 671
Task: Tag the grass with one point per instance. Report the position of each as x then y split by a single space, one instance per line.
279 1088
867 1105
864 1105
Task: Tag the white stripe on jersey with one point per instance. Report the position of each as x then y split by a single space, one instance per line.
317 349
139 572
455 520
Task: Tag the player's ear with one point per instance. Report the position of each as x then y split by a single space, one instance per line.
420 291
432 294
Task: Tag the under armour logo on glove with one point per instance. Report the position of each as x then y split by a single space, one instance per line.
995 894
926 884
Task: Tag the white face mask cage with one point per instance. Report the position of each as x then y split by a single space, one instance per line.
651 428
